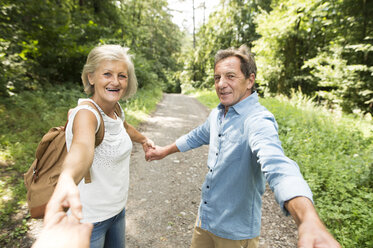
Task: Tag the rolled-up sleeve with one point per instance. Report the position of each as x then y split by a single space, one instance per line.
182 144
290 188
282 174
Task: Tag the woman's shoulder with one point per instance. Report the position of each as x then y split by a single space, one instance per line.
80 106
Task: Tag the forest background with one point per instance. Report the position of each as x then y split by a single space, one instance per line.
309 52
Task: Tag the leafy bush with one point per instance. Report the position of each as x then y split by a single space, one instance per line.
336 160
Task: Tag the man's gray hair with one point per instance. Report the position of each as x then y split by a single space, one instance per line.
248 65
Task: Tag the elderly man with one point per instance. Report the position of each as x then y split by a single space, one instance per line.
244 151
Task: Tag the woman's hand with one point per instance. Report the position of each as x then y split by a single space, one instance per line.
147 144
65 195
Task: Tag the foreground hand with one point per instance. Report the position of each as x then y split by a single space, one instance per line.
311 231
65 195
312 235
62 231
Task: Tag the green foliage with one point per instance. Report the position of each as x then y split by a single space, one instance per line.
230 26
207 96
46 42
24 119
329 70
336 160
322 48
287 39
335 154
138 107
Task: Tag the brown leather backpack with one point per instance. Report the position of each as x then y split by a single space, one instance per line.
42 176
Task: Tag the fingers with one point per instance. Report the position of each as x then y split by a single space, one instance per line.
305 242
87 229
152 154
75 205
148 144
52 209
148 155
54 219
65 195
72 219
311 236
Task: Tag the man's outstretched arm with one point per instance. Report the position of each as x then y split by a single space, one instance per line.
312 233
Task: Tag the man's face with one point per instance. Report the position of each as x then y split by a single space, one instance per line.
230 83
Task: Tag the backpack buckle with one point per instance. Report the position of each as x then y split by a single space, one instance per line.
35 175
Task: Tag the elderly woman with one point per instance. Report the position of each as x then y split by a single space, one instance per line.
108 76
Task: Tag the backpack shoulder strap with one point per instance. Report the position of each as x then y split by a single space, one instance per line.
118 110
101 130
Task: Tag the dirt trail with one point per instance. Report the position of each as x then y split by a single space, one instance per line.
164 195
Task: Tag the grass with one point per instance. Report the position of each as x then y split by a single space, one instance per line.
335 154
24 119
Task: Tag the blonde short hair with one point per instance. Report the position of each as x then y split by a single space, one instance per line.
111 53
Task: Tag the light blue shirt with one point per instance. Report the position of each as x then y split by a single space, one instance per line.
244 151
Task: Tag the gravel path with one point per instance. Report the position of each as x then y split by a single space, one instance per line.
164 195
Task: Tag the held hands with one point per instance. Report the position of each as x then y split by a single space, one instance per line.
156 153
147 144
159 152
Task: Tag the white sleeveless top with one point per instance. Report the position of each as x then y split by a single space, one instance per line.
107 194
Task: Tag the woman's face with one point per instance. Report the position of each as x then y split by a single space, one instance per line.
110 81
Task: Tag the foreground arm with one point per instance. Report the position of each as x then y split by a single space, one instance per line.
137 137
311 231
286 181
75 166
64 231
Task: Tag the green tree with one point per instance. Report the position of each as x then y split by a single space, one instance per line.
323 48
46 42
230 26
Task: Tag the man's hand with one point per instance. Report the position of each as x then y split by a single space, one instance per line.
156 153
313 235
160 152
62 231
65 195
311 231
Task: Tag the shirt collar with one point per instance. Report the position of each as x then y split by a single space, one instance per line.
244 105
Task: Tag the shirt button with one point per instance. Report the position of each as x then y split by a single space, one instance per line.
219 135
207 186
217 154
211 170
205 202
